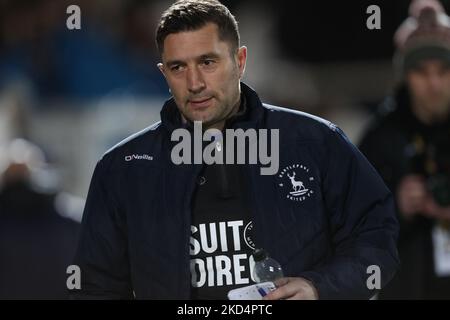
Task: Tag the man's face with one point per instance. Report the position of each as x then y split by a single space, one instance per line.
203 74
429 85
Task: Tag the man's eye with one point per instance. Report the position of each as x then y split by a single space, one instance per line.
175 68
208 62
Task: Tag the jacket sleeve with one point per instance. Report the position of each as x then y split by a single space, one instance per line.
102 254
362 222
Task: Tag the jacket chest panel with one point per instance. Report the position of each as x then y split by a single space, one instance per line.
289 207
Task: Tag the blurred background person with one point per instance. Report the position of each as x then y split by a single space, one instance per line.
409 144
36 242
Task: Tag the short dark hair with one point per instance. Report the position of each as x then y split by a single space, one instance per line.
190 15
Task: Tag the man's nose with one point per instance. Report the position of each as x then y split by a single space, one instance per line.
195 80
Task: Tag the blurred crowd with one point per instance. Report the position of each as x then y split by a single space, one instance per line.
113 51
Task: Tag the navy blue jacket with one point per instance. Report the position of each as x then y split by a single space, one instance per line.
136 223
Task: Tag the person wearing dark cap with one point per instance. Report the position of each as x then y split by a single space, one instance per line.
154 228
409 144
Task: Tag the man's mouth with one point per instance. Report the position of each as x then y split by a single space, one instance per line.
200 102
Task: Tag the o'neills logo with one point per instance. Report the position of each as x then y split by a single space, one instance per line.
138 157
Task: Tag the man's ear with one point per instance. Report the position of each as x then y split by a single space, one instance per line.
242 59
161 68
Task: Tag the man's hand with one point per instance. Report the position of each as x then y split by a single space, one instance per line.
411 195
293 289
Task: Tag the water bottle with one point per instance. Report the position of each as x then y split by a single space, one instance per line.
266 268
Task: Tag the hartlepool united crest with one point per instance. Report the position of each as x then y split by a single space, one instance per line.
296 182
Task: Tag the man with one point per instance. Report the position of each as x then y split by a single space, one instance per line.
159 230
409 145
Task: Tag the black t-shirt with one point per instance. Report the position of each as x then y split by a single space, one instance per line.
221 233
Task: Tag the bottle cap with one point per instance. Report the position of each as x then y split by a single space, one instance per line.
259 254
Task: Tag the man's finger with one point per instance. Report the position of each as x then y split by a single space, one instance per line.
281 281
284 291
